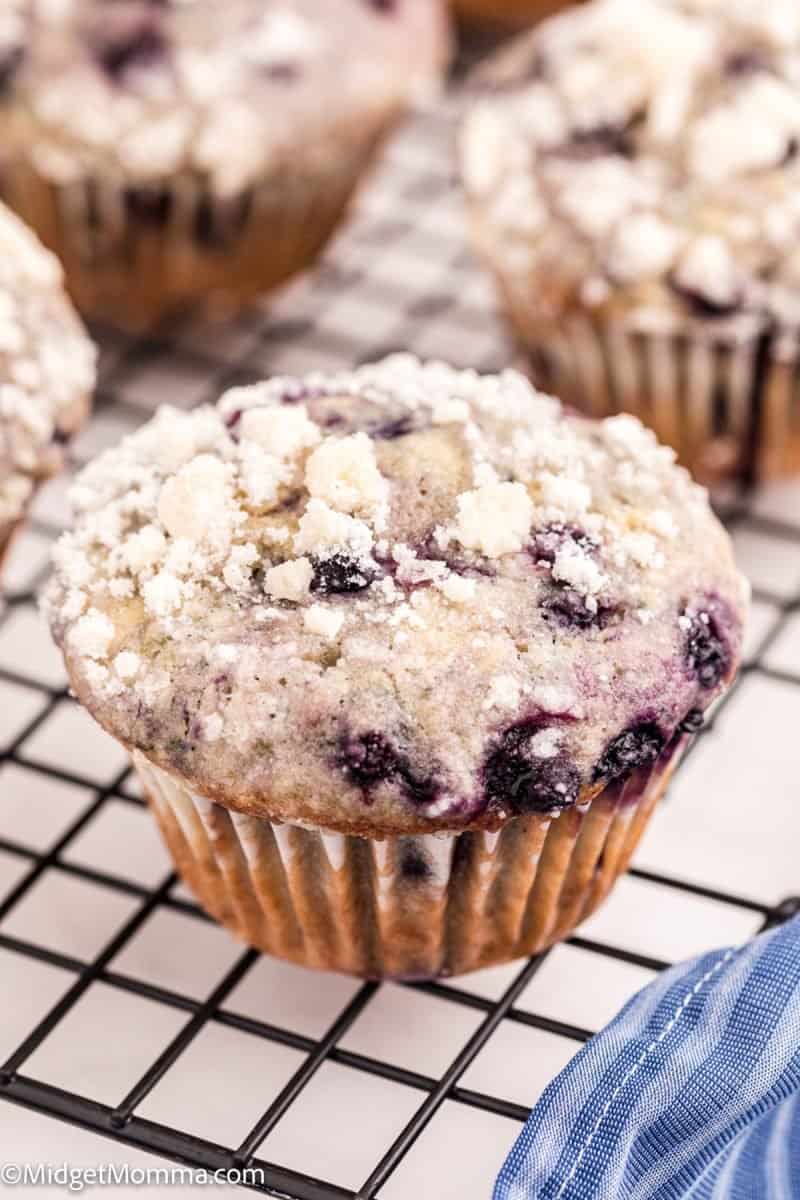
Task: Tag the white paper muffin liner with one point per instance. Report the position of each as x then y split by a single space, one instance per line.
193 250
402 907
8 530
729 403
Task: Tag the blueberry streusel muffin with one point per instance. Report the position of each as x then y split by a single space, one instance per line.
174 152
405 656
634 181
46 371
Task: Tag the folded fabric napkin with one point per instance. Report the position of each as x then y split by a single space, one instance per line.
691 1093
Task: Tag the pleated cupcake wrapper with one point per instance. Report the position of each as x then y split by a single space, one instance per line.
136 254
402 907
730 405
8 530
507 13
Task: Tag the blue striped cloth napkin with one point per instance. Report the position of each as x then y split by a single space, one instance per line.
691 1093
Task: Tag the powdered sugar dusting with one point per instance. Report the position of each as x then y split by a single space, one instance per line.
143 91
386 602
656 143
46 365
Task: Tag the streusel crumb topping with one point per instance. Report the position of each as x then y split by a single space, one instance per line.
340 598
647 150
141 91
46 365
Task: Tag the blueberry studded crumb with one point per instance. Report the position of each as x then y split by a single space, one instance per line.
600 140
390 430
693 722
340 574
144 46
518 780
566 608
703 306
546 542
706 649
744 63
370 759
635 747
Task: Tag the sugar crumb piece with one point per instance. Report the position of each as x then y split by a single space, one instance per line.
282 431
574 566
554 698
322 528
144 549
546 743
213 727
92 635
194 503
237 571
504 691
163 594
290 580
322 620
457 588
494 519
127 665
345 475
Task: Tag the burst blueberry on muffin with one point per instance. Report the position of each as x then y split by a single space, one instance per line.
633 179
405 656
46 371
179 153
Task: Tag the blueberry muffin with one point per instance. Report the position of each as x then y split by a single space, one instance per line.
405 655
633 177
46 371
505 14
174 152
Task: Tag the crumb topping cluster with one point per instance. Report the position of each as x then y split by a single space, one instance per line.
148 89
46 365
652 145
334 592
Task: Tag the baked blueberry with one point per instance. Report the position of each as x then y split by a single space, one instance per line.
370 758
702 305
546 542
519 780
564 607
693 722
706 649
599 140
340 574
143 46
633 748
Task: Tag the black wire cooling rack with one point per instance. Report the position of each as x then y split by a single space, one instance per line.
399 277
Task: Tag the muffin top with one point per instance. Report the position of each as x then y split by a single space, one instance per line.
399 599
46 365
647 150
146 88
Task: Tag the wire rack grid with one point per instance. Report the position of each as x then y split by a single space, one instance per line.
431 1076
